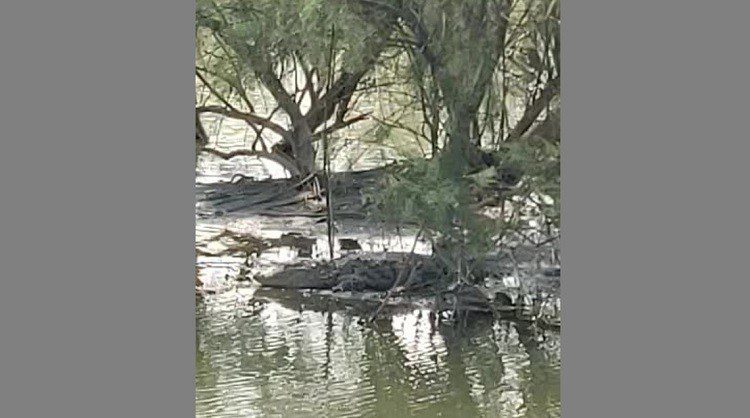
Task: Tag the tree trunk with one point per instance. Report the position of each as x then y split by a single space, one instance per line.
461 154
302 147
454 162
201 137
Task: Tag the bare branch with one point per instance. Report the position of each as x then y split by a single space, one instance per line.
279 93
239 87
281 159
250 118
309 86
338 94
343 124
215 92
537 106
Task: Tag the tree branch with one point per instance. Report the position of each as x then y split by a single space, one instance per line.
309 86
215 92
339 93
280 159
340 124
247 117
279 93
200 132
531 113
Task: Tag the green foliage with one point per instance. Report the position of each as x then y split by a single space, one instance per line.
460 69
476 55
539 160
415 193
271 32
446 209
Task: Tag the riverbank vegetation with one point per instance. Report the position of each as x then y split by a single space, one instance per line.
465 95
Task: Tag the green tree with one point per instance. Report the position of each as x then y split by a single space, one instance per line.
283 47
481 57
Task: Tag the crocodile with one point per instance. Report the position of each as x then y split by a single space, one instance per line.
382 277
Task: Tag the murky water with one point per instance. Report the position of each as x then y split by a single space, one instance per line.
264 359
266 353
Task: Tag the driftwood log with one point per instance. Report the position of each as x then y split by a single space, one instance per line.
305 196
290 197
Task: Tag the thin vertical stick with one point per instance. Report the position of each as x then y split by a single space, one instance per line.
326 157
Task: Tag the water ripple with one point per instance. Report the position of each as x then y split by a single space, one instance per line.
267 360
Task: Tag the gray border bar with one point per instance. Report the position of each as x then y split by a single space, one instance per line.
97 212
96 225
655 202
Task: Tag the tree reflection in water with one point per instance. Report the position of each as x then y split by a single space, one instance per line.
264 359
